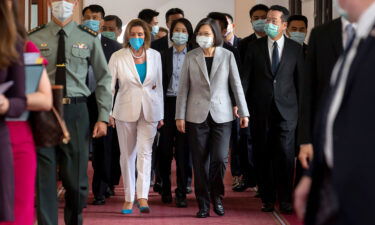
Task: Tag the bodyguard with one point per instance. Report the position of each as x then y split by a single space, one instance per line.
69 48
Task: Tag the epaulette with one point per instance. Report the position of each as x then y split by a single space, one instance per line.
36 29
88 30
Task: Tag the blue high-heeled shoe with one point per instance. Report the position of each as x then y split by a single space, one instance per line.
126 211
144 209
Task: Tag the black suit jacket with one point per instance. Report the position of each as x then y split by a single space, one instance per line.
353 144
262 87
161 44
244 43
325 47
109 47
236 41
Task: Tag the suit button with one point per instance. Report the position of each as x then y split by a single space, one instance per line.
274 82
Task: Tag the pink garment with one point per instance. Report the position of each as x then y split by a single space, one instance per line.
24 157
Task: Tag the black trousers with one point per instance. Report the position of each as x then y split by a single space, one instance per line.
242 159
72 159
105 157
209 146
173 143
274 151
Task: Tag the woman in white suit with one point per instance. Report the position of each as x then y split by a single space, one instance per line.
138 109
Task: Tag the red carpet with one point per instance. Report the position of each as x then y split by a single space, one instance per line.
241 208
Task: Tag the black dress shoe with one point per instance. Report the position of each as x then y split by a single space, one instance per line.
203 213
181 202
286 208
218 206
189 190
98 202
268 207
241 187
166 198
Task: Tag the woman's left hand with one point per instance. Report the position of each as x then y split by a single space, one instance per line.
160 124
4 105
244 122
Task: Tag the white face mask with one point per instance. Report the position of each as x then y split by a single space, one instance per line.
229 30
205 42
62 10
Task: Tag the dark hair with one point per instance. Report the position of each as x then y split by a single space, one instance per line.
223 22
147 15
94 9
218 39
116 18
173 11
229 16
188 26
298 18
259 7
283 10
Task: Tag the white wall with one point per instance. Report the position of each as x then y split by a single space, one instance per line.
194 10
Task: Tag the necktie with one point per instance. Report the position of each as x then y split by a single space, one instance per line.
60 78
350 33
275 58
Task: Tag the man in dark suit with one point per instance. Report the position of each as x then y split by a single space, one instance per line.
229 35
258 15
325 47
343 133
106 148
297 30
272 73
164 43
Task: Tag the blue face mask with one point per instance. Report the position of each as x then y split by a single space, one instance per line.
271 30
136 43
92 24
339 9
298 37
180 38
109 34
154 30
258 25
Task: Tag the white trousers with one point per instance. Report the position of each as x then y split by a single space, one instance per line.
135 140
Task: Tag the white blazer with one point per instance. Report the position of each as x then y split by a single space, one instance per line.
133 95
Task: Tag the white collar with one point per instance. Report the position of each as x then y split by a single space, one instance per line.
366 22
280 42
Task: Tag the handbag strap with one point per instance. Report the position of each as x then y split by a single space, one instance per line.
66 134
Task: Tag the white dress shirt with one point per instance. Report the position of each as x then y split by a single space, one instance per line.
280 45
364 27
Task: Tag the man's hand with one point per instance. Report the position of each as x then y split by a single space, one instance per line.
160 124
111 122
244 122
100 130
301 195
4 105
235 112
306 154
180 125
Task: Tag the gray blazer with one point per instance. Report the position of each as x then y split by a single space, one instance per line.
200 94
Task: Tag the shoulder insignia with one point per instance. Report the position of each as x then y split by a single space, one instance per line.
88 30
36 29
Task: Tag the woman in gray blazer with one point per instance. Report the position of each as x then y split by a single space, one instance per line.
204 104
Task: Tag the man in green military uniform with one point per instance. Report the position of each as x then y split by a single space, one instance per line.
69 49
